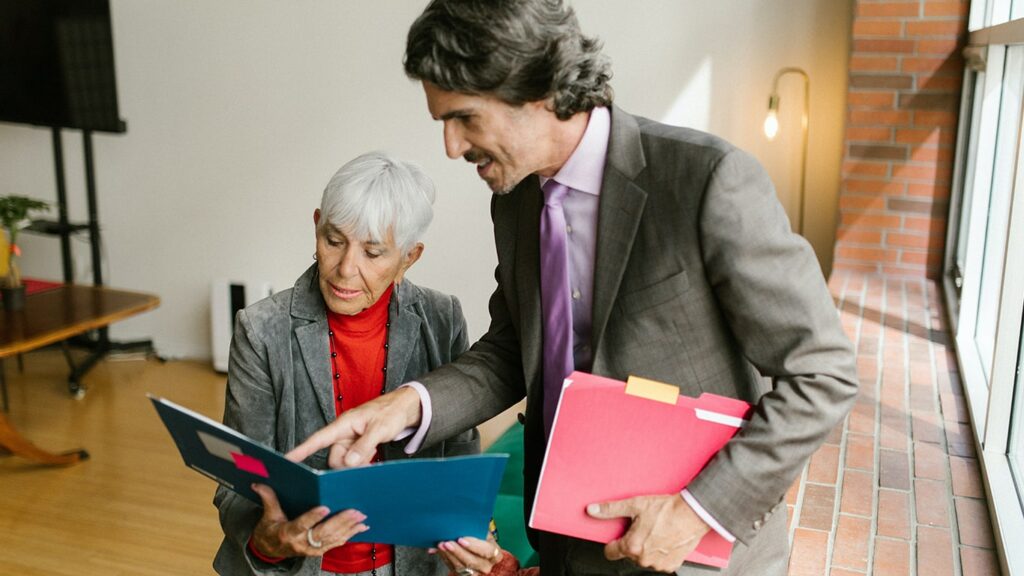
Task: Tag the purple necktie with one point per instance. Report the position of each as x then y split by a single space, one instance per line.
554 287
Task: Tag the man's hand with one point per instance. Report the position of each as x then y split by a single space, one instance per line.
663 532
276 537
355 435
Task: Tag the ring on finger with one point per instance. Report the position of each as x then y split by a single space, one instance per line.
465 571
312 541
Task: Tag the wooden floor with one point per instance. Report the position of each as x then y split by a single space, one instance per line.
133 508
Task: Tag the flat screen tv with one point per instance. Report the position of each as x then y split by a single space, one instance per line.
57 64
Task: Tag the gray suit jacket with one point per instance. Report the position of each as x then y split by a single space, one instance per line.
279 392
698 282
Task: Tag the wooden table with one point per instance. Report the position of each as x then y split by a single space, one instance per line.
54 316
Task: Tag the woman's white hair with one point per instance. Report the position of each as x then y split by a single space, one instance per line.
375 193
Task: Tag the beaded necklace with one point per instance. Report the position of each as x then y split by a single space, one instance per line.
341 397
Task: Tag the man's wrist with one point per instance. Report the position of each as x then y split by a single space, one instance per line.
412 406
705 516
421 412
692 516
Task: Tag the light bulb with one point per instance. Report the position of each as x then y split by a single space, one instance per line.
771 125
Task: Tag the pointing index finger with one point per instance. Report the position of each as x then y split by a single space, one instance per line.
320 439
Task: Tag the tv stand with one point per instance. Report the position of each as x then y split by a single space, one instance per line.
97 342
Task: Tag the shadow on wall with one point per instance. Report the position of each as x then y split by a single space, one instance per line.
897 176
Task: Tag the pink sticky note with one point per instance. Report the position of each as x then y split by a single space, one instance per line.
250 465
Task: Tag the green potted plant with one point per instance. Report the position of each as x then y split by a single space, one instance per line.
14 212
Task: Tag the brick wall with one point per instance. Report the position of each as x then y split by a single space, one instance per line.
902 107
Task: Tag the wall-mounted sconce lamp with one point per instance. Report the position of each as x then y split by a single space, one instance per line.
771 128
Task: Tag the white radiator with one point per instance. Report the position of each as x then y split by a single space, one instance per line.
227 298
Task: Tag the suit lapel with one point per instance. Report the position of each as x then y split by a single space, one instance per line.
312 339
527 265
402 335
619 213
307 304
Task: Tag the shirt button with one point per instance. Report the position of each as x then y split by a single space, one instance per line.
575 294
568 229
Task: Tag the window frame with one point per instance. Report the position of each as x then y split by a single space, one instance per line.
995 402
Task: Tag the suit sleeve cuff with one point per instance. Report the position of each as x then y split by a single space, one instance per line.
705 516
418 434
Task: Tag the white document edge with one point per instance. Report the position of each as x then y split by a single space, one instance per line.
710 416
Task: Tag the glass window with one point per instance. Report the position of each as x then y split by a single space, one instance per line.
1017 11
999 11
1016 444
984 281
978 15
974 83
999 206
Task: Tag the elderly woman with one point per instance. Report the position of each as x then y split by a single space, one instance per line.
350 329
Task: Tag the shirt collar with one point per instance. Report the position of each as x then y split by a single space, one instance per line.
584 170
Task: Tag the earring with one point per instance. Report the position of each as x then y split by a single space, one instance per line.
314 256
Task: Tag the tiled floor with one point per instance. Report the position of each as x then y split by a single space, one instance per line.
896 489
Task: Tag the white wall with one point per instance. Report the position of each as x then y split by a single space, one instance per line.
239 111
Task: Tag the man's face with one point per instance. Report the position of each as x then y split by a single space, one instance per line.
507 143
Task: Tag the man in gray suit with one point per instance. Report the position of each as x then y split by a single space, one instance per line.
625 247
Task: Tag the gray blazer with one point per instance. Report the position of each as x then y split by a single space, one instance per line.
698 282
279 392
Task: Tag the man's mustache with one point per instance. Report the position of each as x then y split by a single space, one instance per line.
474 156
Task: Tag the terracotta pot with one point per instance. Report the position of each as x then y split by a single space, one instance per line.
14 298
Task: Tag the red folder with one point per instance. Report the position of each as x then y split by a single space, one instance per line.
608 443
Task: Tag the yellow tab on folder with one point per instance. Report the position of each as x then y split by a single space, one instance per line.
652 390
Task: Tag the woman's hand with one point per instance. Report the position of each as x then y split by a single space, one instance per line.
476 555
277 537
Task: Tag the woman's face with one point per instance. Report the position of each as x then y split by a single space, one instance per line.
355 273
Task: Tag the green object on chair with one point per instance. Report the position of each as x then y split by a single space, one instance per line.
508 508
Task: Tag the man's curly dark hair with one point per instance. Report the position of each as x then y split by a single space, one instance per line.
517 50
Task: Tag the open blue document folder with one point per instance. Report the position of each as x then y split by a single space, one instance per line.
408 502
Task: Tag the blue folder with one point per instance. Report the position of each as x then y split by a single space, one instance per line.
416 502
